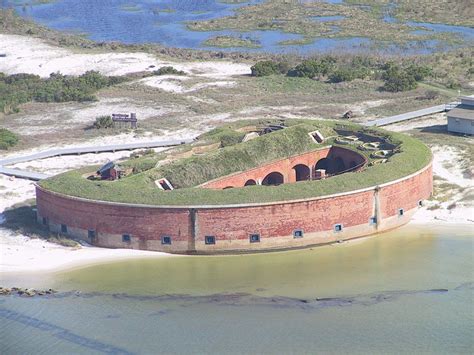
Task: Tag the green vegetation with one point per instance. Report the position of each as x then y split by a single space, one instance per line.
312 68
397 77
168 70
453 12
7 139
231 41
403 79
300 17
140 188
238 157
269 67
103 122
21 88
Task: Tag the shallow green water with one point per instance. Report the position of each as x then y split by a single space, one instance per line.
406 291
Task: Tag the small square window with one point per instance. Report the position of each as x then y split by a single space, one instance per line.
372 220
401 212
91 234
298 233
254 238
338 228
63 228
45 221
166 240
210 239
127 239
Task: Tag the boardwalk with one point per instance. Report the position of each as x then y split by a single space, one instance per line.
411 115
76 151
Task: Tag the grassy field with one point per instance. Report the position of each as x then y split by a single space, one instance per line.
231 42
140 188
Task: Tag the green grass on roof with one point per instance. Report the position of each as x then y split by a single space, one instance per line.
140 188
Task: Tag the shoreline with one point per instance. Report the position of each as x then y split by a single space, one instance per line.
32 256
36 255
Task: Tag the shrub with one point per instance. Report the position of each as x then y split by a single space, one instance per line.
343 74
313 67
168 70
265 68
431 94
103 122
419 72
398 79
7 139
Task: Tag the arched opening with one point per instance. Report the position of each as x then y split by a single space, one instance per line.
274 178
339 165
250 182
302 171
322 164
352 164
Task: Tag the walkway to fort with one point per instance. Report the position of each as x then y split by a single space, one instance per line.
76 151
411 115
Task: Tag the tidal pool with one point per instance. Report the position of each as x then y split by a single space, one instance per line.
409 290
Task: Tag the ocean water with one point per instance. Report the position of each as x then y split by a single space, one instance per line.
406 291
164 22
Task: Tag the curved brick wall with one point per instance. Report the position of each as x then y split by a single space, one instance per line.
232 225
285 167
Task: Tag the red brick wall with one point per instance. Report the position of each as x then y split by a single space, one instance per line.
232 225
285 167
406 193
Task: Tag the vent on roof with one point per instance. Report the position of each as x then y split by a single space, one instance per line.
164 184
316 136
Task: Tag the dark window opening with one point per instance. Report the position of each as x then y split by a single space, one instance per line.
210 239
339 165
165 240
91 234
337 227
126 238
228 187
63 228
45 221
352 164
420 203
373 220
401 212
274 178
254 238
250 182
298 233
302 172
322 164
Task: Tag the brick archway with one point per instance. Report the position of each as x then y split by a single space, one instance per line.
250 182
302 172
274 178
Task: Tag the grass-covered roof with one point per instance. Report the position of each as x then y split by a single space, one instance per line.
189 171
